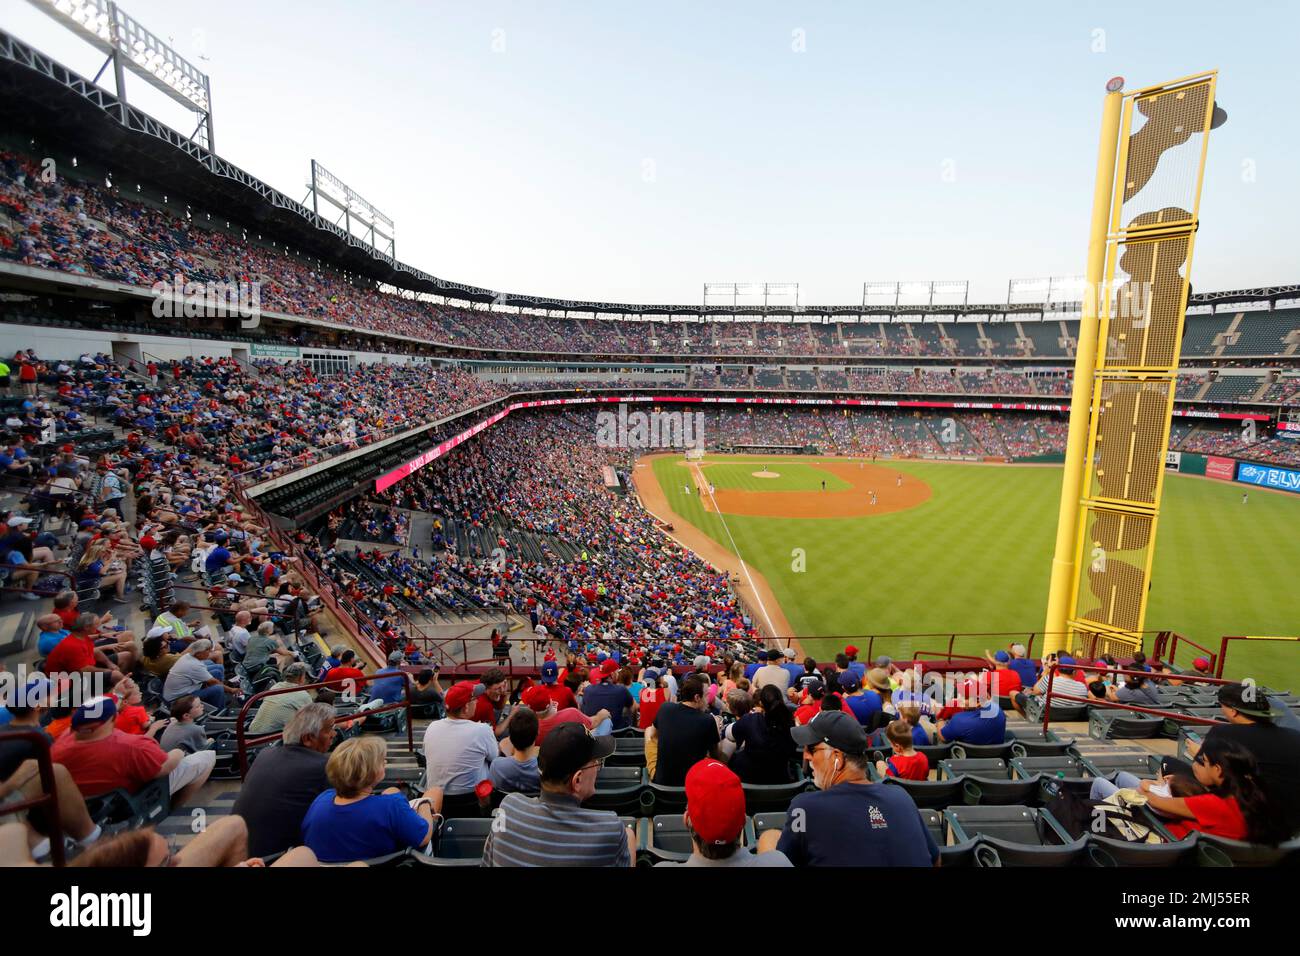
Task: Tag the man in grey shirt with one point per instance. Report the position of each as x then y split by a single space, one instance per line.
553 828
183 733
715 815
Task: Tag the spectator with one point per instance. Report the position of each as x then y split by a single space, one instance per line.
905 763
765 751
553 828
388 686
189 675
427 691
653 696
1137 690
351 822
605 695
772 673
491 702
974 724
182 733
558 692
102 758
1002 681
459 750
684 734
274 712
538 700
849 821
865 705
1022 665
715 816
283 781
517 772
1064 682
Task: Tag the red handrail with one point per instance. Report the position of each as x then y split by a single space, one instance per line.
1098 702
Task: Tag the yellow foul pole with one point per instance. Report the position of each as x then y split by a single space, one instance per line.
1085 359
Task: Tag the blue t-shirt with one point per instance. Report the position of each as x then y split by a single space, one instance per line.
379 824
864 705
859 668
857 824
919 736
216 559
613 697
988 725
510 776
751 670
795 671
48 641
1027 670
388 689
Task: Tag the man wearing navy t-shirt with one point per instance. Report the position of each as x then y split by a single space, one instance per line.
1022 665
849 821
864 704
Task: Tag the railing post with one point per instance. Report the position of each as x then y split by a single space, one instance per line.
1047 700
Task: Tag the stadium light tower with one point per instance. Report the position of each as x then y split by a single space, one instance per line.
351 206
129 46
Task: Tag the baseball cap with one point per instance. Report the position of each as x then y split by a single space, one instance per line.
791 653
550 672
536 698
849 680
761 656
1247 700
835 727
159 631
568 748
878 678
16 521
715 802
461 694
395 657
1002 657
95 711
651 674
851 651
1065 660
1201 664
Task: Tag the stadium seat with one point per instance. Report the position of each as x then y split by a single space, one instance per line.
994 791
629 751
657 799
932 794
120 809
762 822
984 766
971 853
462 840
618 789
1033 742
982 751
765 798
1022 836
1144 765
1106 724
1108 851
1215 849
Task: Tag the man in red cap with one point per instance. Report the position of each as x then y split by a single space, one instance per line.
459 750
715 815
550 715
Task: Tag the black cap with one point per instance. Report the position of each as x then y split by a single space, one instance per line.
568 748
835 727
1248 700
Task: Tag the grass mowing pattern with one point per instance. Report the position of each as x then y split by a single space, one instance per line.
976 557
794 476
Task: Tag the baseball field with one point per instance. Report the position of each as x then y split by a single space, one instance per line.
834 547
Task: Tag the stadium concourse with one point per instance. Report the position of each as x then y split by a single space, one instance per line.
136 562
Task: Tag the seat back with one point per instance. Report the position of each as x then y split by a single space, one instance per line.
1108 851
1026 767
1143 765
931 794
994 791
763 822
764 798
1015 825
984 766
657 799
963 751
462 839
1214 848
618 789
629 751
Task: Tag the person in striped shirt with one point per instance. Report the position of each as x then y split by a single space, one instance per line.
553 829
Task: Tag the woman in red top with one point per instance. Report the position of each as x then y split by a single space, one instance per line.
1227 799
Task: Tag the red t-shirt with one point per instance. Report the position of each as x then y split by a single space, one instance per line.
68 616
652 698
807 712
73 653
132 720
1218 815
1003 683
566 716
561 695
915 767
337 675
120 760
484 712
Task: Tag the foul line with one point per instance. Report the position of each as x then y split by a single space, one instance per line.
699 474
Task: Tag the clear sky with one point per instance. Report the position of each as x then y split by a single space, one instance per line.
633 151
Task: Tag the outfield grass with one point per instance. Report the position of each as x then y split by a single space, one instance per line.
976 557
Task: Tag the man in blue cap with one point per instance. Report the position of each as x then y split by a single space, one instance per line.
561 694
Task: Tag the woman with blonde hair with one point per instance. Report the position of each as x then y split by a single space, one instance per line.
98 568
350 821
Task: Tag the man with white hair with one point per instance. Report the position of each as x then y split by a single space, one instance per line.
276 711
1022 665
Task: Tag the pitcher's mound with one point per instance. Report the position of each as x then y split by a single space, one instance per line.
766 474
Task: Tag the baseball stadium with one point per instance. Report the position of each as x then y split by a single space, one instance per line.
314 558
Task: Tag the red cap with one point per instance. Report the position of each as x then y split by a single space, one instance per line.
715 802
609 666
459 695
536 698
851 651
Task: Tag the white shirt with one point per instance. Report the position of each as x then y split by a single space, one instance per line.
239 638
458 753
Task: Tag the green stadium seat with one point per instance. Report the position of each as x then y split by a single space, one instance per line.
629 751
984 766
618 789
656 798
977 751
1144 765
462 839
932 794
1214 849
1106 724
1022 836
994 791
